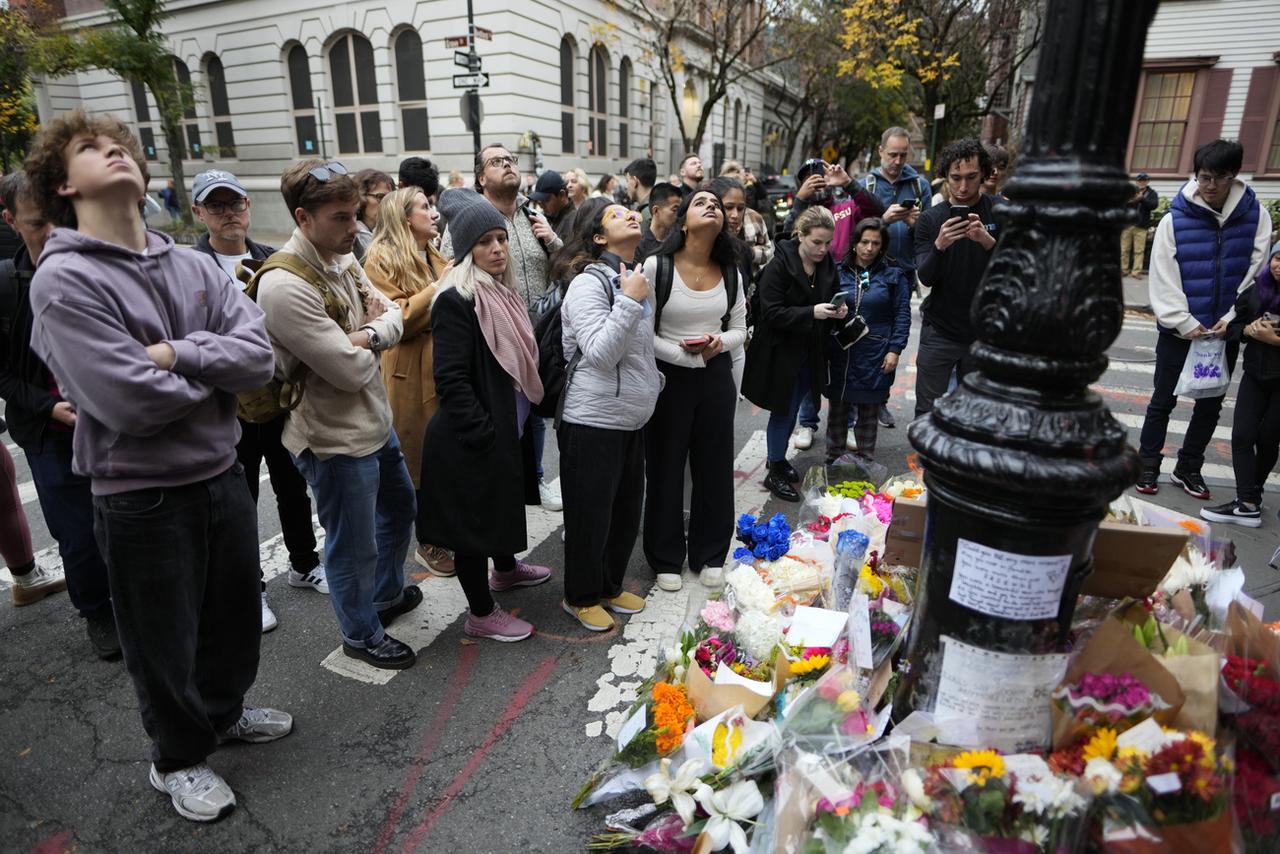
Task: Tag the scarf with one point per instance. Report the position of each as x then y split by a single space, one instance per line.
504 322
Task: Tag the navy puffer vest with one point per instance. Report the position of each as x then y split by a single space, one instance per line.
1212 260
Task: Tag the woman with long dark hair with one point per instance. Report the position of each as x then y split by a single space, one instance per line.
786 362
700 316
734 198
1255 433
860 374
609 395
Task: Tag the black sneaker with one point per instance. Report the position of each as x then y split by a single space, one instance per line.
391 654
777 483
1192 483
886 418
101 629
1234 512
1149 481
411 599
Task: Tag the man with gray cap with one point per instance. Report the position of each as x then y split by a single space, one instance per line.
1133 240
221 202
552 195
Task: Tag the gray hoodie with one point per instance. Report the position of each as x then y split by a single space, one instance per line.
97 307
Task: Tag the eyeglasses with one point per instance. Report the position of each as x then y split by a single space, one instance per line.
618 212
1205 180
506 160
219 208
377 197
327 171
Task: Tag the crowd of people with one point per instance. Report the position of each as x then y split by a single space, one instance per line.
403 352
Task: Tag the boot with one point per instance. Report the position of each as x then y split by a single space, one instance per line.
777 483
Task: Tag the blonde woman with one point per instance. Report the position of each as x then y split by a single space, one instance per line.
403 263
578 185
478 462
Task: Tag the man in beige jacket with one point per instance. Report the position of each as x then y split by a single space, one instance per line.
340 434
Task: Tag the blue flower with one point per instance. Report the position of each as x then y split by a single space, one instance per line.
745 523
779 520
742 555
761 550
777 551
760 533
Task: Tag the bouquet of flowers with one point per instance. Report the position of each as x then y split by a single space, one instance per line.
1117 700
1258 722
762 540
840 706
1256 800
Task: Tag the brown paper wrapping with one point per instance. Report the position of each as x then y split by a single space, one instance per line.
1251 639
1112 649
710 699
1211 836
1196 672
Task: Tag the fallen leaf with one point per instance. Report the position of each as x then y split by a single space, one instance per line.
23 754
468 642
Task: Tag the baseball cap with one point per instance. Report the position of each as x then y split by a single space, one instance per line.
206 182
549 183
1143 176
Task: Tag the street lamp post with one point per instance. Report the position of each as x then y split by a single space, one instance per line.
1022 458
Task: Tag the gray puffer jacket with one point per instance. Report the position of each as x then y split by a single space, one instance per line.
616 383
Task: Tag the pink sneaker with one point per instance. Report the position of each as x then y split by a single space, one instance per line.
524 575
498 625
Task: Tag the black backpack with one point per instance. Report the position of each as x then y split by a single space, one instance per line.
548 331
665 278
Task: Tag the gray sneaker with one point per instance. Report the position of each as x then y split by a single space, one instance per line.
258 726
197 792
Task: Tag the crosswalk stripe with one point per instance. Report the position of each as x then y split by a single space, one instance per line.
1129 419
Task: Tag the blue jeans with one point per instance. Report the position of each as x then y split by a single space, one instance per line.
66 501
539 426
809 413
778 431
366 507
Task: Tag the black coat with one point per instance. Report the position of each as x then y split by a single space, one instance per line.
1261 360
786 332
24 379
477 474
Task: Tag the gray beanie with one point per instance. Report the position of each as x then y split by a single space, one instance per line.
470 215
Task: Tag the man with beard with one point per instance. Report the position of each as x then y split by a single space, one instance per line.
691 173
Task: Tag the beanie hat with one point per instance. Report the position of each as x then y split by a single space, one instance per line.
470 215
1275 250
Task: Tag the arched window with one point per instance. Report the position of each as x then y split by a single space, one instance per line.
598 90
142 112
737 126
411 89
355 95
624 107
567 123
190 125
216 80
304 104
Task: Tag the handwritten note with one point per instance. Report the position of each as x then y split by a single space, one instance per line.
860 631
1012 719
1004 584
1146 737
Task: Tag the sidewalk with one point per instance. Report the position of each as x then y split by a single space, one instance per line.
1136 297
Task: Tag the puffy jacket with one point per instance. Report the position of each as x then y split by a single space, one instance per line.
855 375
1213 258
616 383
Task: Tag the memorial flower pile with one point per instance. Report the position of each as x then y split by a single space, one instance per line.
1117 700
762 540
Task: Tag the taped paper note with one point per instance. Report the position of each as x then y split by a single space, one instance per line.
1004 584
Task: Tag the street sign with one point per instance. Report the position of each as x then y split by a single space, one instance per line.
940 111
467 60
471 81
482 33
464 110
829 154
456 41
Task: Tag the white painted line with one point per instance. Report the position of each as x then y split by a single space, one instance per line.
1175 426
1214 471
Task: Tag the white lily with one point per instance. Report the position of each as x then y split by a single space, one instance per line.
739 802
661 786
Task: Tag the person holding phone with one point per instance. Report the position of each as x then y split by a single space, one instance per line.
700 317
786 362
953 244
861 372
1255 433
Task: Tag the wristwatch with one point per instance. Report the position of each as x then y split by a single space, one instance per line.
375 342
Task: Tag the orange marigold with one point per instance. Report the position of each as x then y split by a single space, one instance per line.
671 713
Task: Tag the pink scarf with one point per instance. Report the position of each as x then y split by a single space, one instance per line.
504 322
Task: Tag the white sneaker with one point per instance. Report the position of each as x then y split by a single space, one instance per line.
269 620
669 581
37 584
197 792
315 579
802 439
850 442
550 496
712 577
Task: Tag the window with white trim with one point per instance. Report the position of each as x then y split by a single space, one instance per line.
355 95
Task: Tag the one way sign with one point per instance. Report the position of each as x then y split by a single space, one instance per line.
471 81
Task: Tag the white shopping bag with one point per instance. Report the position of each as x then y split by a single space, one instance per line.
1204 373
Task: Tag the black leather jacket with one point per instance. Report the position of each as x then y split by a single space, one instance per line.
24 379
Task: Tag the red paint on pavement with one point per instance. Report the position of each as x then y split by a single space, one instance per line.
458 681
56 844
519 700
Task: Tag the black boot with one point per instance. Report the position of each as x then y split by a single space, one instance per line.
788 471
777 483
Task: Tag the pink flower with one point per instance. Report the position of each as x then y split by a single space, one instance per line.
718 615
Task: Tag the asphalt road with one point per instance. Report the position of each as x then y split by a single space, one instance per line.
480 747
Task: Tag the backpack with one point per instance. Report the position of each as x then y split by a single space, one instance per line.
665 278
923 190
11 279
553 370
280 396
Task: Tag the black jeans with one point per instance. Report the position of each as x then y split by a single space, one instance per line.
183 563
936 359
1255 435
261 443
66 500
602 480
1171 352
692 423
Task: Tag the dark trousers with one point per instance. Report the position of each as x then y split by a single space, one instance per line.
183 564
473 575
1171 352
936 359
1255 436
66 500
864 429
261 443
692 423
602 480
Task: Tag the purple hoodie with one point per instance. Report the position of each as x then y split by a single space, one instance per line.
96 307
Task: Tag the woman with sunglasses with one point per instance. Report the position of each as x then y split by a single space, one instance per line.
612 385
700 317
861 372
374 186
477 458
786 362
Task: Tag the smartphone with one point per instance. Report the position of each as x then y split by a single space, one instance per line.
908 204
700 341
840 297
1270 318
961 211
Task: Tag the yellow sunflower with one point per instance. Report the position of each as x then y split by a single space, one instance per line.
809 665
1102 745
981 765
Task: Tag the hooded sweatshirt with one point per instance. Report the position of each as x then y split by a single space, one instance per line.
96 308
